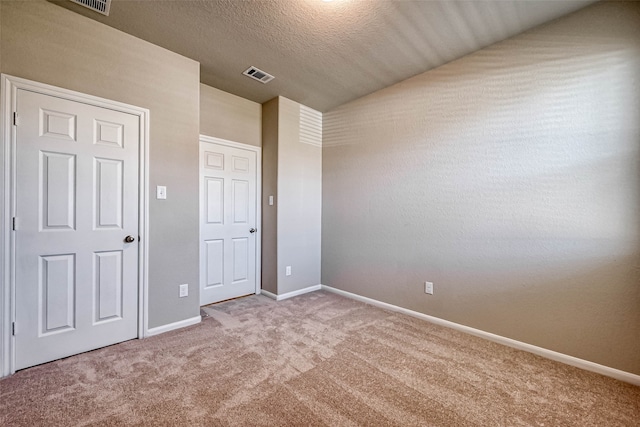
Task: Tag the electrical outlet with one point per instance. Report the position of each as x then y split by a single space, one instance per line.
428 288
161 192
184 290
287 270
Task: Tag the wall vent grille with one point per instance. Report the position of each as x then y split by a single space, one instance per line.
310 126
258 75
100 6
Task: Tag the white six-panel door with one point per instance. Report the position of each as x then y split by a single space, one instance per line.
76 274
228 188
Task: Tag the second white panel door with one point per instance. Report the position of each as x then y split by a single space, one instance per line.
228 177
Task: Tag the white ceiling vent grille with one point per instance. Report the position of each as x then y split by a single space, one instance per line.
310 126
258 75
100 6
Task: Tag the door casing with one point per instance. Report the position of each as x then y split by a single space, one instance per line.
9 87
258 151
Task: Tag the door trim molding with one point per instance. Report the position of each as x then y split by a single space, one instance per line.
258 151
9 87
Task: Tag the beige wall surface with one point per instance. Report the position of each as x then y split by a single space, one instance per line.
291 228
227 116
46 43
511 179
0 35
270 188
299 203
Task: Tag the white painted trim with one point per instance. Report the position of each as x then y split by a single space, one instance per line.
5 236
291 294
228 143
173 326
10 86
549 354
143 298
258 151
269 294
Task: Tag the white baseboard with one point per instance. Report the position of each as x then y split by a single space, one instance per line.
269 294
549 354
291 294
172 326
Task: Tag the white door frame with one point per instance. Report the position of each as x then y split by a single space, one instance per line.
258 151
9 88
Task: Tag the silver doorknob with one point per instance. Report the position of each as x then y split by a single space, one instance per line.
252 230
129 239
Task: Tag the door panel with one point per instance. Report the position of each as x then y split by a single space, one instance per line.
214 201
109 193
57 293
240 212
57 191
76 200
214 259
55 124
228 180
108 285
240 259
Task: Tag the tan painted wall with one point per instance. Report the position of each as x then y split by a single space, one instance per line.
511 179
292 173
46 43
230 117
299 203
0 35
270 188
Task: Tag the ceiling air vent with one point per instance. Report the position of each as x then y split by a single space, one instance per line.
100 6
258 75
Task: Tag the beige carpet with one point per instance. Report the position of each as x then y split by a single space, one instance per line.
317 359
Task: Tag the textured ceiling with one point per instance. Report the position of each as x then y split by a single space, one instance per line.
323 54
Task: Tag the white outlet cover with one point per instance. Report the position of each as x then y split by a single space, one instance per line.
161 192
288 270
184 290
428 288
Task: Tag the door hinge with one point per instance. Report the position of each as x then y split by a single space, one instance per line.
13 328
13 223
15 118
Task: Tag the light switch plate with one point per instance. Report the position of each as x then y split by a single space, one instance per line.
270 200
161 192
